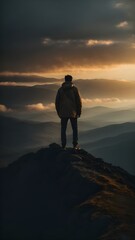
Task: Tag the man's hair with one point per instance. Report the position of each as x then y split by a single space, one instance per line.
68 78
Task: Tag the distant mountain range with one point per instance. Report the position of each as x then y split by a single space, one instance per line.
95 116
66 194
21 136
120 150
116 116
106 131
114 142
107 115
14 131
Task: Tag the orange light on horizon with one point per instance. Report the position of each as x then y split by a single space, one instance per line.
115 72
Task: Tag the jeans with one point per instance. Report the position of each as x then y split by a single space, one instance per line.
64 122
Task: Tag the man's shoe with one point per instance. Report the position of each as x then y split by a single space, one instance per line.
77 147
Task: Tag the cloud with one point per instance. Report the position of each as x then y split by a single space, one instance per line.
40 107
3 108
78 42
109 102
49 41
23 79
123 25
88 101
8 84
94 42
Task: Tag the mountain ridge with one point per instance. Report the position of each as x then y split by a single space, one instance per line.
66 194
107 131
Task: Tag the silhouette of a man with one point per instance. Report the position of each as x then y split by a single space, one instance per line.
68 106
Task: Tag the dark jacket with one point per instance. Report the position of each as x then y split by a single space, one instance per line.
68 102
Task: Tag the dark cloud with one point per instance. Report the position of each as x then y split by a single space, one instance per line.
46 58
61 19
17 97
25 25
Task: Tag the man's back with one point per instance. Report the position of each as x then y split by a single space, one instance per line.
68 101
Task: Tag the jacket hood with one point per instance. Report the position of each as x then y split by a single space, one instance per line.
67 85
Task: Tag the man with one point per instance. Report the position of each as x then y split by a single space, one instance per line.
68 106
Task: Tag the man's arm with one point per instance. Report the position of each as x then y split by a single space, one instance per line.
57 102
78 102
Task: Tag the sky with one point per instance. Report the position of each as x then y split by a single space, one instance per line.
88 39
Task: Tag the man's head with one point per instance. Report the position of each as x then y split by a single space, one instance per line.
68 78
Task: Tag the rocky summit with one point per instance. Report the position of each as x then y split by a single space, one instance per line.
57 194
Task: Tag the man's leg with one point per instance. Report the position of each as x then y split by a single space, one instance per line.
75 131
63 131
